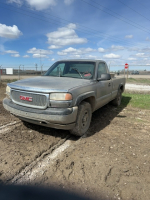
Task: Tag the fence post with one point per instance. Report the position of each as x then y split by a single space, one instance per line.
19 73
0 73
41 69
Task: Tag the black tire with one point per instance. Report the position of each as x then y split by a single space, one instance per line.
83 119
117 100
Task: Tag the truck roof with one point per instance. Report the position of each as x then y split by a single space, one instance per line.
84 60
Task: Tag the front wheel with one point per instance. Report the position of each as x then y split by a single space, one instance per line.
83 119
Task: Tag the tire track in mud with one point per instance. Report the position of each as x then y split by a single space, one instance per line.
39 165
9 127
24 145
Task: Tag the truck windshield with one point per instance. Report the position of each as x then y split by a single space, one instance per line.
73 69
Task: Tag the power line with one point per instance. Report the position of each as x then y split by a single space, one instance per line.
88 29
61 22
120 15
113 15
142 4
133 10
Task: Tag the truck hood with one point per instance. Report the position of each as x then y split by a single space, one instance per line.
47 84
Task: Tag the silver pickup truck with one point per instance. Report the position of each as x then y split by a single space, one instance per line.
65 96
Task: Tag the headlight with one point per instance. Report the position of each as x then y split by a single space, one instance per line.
61 96
7 89
8 92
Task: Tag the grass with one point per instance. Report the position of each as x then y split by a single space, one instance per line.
145 81
141 101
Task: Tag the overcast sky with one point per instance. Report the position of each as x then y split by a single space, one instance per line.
44 31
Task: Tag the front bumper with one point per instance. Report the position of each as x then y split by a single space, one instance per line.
60 118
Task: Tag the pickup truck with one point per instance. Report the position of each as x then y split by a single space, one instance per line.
65 96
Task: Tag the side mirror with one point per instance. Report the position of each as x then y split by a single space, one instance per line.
104 77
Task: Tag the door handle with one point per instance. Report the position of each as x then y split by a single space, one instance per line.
109 85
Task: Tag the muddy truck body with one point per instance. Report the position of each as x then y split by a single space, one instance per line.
65 96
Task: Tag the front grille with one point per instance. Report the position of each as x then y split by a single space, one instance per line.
38 100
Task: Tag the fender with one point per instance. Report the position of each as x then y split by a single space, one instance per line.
83 96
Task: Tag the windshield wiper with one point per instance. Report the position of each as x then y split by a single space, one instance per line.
77 71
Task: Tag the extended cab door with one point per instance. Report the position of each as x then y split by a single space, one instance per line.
103 87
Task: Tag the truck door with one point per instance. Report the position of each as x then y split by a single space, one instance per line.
104 88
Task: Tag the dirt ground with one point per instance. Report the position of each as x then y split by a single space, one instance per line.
112 161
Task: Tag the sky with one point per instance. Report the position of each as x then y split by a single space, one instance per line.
41 32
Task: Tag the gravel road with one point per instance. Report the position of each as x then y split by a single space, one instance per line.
137 87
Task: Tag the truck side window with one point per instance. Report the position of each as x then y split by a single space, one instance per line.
102 69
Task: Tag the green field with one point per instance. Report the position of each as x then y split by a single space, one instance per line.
136 100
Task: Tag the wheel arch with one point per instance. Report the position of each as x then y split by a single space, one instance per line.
88 97
121 87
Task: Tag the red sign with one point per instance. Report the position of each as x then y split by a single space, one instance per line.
26 98
126 66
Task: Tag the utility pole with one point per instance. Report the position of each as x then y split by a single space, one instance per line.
19 73
0 74
41 69
36 68
40 57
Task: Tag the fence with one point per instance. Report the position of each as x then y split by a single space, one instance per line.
23 71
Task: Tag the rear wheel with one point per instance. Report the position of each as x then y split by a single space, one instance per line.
83 119
117 100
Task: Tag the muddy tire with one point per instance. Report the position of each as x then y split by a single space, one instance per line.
83 119
117 100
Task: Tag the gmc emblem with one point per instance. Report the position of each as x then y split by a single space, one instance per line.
26 98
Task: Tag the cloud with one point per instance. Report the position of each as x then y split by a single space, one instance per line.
73 51
19 2
40 51
147 49
116 48
36 55
11 32
129 36
112 48
68 2
26 56
41 4
92 57
52 59
65 36
101 50
134 49
12 52
140 55
112 56
15 55
54 47
132 59
37 4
